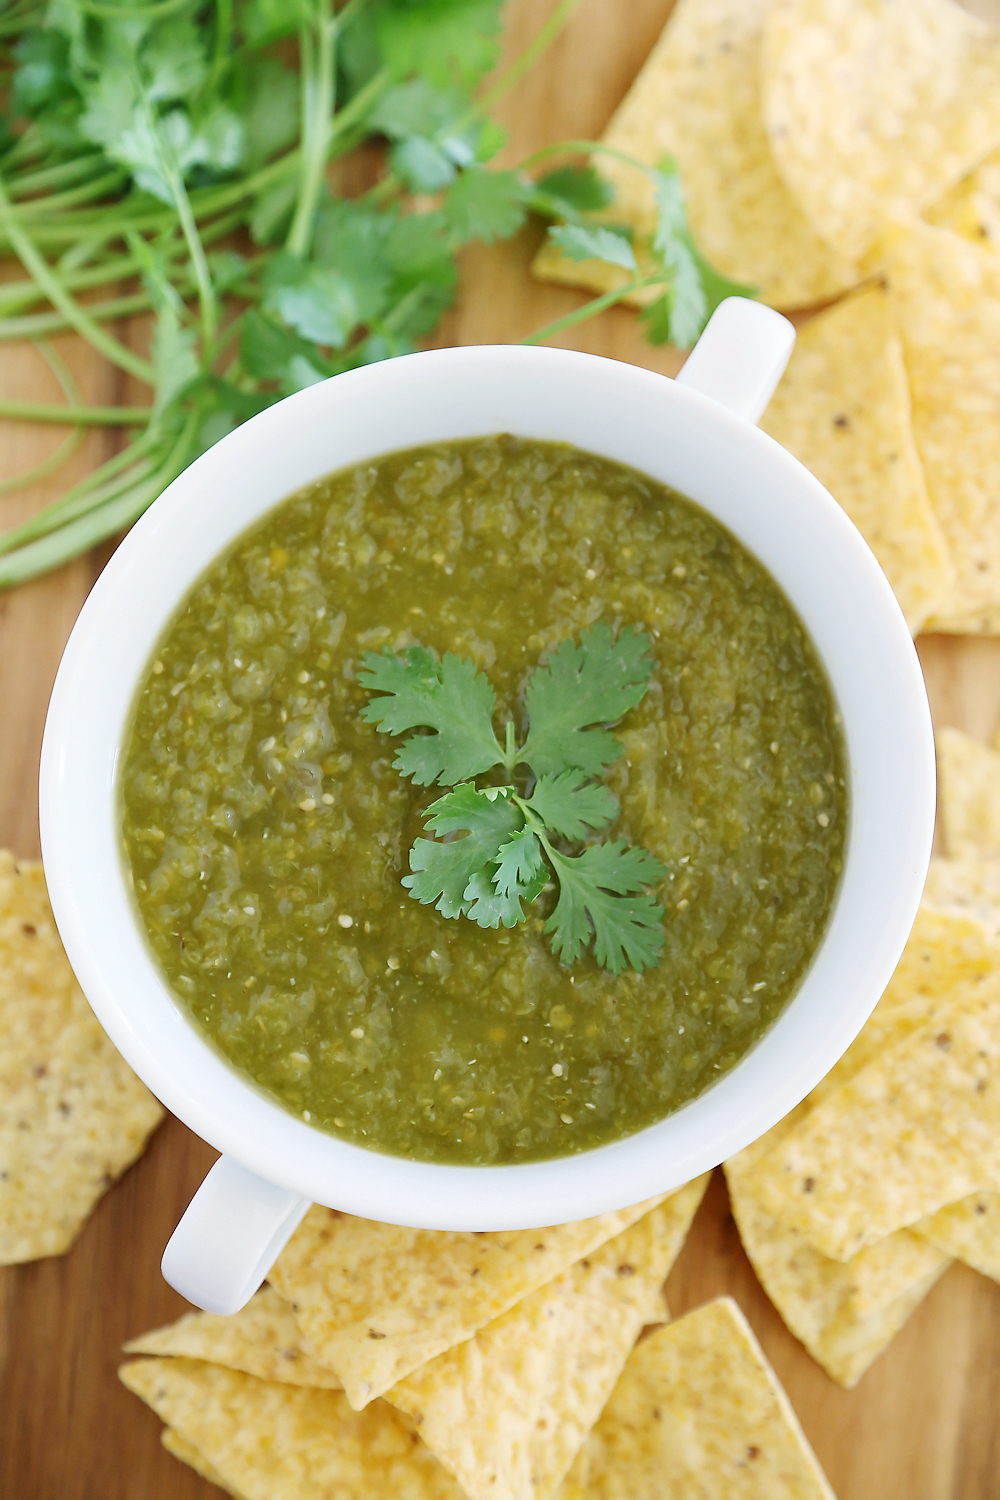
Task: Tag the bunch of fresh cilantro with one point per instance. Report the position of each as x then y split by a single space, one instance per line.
171 156
517 838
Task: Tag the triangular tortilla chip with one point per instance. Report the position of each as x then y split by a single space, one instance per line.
972 209
376 1301
262 1339
945 298
265 1440
917 1128
189 1454
875 110
969 1230
968 794
507 1410
967 887
696 100
843 409
844 1312
73 1115
698 1412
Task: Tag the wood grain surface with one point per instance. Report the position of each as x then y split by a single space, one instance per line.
923 1423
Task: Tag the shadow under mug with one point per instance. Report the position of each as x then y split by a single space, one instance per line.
696 434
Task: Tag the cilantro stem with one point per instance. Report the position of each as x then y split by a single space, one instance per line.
42 273
316 50
76 416
543 39
44 178
97 525
596 305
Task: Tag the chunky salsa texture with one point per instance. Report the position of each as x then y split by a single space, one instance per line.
267 832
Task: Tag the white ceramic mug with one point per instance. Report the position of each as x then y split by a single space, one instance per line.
696 434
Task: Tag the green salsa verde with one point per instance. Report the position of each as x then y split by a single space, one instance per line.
267 832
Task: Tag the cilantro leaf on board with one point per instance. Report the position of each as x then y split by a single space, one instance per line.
440 40
602 895
449 697
695 288
443 873
583 685
486 205
575 190
571 805
593 242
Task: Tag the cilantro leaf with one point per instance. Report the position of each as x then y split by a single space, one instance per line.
581 242
440 40
572 806
696 288
589 684
422 165
602 896
519 872
575 190
482 205
445 873
449 697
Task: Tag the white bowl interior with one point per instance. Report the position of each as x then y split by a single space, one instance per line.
676 436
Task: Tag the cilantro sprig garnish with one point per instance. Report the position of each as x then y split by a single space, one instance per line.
501 845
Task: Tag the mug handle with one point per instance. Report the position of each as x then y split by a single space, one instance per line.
740 356
232 1232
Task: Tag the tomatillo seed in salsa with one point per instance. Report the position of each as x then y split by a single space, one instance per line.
267 831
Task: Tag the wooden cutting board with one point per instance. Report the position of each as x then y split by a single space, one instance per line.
924 1423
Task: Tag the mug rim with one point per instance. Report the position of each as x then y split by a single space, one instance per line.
229 1111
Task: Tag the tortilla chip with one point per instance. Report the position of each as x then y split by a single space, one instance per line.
266 1440
262 1339
845 1313
944 950
945 299
916 1128
843 409
696 100
698 1412
376 1301
968 794
875 110
189 1454
73 1115
507 1411
967 887
972 209
969 1230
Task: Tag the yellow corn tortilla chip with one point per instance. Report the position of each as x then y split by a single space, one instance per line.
269 1441
696 99
376 1301
917 1128
944 950
875 110
843 409
968 794
189 1454
72 1113
945 298
698 1412
972 209
263 1340
845 1313
507 1411
969 887
969 1230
